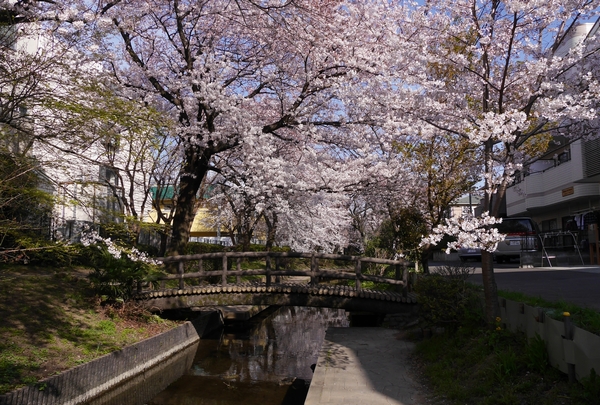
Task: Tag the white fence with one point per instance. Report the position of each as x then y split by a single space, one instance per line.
571 349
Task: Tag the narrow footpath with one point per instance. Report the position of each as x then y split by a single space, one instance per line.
360 366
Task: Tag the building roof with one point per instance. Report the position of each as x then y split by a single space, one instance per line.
162 193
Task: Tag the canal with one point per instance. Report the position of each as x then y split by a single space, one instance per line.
267 361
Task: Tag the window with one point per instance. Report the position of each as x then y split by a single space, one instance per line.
8 33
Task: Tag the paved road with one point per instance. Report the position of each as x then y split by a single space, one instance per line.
579 285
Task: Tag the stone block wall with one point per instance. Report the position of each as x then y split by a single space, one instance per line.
82 384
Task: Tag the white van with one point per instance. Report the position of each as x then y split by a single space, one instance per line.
522 235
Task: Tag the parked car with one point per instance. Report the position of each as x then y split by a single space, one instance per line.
522 236
465 254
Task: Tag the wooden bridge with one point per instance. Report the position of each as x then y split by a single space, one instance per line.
333 281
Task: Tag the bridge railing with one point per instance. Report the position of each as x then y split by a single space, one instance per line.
273 268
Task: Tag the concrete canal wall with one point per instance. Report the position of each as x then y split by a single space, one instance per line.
82 384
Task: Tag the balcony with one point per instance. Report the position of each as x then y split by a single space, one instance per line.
554 185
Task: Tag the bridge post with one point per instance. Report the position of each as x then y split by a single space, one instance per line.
314 269
268 270
180 271
224 274
277 277
404 288
238 279
358 272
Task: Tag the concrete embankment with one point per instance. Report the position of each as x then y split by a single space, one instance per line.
90 382
360 366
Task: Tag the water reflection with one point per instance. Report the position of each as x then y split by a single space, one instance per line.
268 364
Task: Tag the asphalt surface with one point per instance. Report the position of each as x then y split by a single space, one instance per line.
578 285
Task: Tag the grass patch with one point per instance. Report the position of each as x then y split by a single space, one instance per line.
51 321
476 364
483 366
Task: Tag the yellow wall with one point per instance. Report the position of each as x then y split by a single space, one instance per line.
198 228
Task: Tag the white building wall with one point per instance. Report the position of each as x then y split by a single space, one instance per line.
556 185
575 37
74 167
82 191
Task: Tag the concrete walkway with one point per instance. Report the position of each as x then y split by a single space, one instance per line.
360 366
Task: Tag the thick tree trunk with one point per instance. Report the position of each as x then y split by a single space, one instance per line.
194 171
490 290
271 231
245 239
164 238
424 259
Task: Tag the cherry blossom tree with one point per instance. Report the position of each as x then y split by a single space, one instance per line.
301 71
36 69
99 150
507 86
344 80
290 195
366 216
20 196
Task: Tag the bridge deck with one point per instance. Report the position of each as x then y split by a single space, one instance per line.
280 283
281 288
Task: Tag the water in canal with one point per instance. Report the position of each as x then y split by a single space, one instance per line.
265 362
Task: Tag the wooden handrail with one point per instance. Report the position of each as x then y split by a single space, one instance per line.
171 259
316 274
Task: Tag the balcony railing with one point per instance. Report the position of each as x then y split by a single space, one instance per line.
552 163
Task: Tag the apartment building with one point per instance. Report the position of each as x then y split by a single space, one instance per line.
561 190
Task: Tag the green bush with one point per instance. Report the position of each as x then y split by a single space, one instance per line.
117 278
446 299
56 255
401 233
151 251
194 248
20 246
589 390
23 203
118 231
